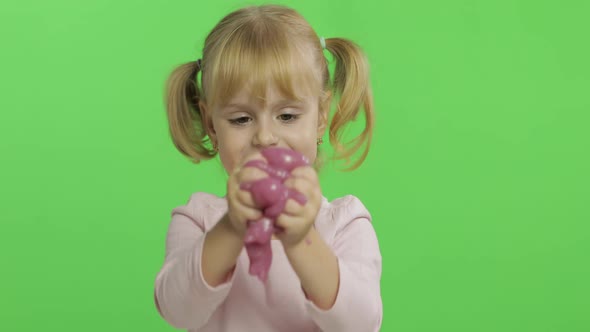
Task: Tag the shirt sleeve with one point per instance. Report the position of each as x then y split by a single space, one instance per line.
358 305
183 297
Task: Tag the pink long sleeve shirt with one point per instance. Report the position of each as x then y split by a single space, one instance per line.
244 303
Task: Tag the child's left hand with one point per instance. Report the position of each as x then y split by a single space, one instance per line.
296 219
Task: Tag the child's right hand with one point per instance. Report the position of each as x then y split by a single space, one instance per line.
241 206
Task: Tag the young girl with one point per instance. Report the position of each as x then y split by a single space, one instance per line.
264 82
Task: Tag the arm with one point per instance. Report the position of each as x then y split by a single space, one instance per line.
220 253
343 286
193 282
317 269
340 277
198 270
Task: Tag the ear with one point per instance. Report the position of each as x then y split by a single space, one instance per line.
324 112
206 121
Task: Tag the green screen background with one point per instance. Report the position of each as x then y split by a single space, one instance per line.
477 179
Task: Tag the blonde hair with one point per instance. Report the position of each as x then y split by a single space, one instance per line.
260 45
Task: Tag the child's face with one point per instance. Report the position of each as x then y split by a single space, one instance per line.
245 126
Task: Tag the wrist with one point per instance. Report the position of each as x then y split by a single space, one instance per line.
225 226
227 223
300 246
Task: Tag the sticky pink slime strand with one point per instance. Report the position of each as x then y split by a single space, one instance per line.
270 195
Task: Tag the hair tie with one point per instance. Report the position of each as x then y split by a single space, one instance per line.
323 42
199 64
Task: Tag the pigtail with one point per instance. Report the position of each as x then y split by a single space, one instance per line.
351 84
184 116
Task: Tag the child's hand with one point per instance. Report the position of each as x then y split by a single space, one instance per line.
296 220
241 206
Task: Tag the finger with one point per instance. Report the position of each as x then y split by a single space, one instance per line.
286 221
297 183
293 208
301 188
246 199
248 214
306 172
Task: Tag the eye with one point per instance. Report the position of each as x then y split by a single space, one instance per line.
240 121
287 117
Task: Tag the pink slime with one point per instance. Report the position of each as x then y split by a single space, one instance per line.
271 196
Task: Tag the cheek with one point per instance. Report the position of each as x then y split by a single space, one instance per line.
306 143
231 150
227 163
227 154
305 139
226 147
311 156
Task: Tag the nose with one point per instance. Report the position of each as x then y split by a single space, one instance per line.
265 135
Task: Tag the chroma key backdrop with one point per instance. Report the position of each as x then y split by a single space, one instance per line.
477 179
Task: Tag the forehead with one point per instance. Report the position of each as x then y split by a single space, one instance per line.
267 87
257 73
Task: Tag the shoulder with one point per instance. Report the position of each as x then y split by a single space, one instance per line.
204 209
339 214
348 207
